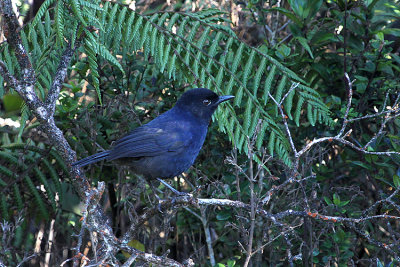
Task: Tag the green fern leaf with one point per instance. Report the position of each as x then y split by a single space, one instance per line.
4 208
236 138
281 89
220 74
90 51
59 21
261 135
238 96
192 33
248 68
110 24
104 13
237 58
135 33
235 64
42 33
146 29
199 47
103 52
247 116
297 113
271 143
289 103
268 84
279 92
153 41
7 173
128 28
310 114
74 32
211 52
172 21
25 113
18 197
25 42
254 121
259 74
8 60
165 55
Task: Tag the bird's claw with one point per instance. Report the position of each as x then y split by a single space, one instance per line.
159 207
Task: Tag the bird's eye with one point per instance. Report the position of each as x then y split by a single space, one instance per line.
206 102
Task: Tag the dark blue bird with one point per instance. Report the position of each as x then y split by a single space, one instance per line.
168 145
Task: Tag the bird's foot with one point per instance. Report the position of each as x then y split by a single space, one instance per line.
159 207
158 203
176 192
157 197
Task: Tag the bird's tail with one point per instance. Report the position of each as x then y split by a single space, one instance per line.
91 159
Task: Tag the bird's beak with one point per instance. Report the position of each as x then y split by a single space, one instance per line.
224 98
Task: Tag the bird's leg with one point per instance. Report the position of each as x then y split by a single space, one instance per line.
156 196
176 192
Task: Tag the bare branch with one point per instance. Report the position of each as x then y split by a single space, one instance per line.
284 119
349 99
11 30
395 111
292 87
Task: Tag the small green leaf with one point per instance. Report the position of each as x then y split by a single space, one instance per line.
336 199
328 201
361 164
396 181
304 43
223 216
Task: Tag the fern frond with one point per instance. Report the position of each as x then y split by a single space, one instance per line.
310 114
271 143
297 112
268 84
4 208
261 135
279 92
18 197
25 113
289 104
59 21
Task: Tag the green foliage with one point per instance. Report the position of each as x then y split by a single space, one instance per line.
21 177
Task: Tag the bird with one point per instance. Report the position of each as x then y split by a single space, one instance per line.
169 144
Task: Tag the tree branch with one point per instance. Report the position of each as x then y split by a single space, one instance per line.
59 78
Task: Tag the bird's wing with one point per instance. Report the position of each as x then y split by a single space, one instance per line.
149 141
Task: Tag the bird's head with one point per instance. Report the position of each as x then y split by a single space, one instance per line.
201 102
